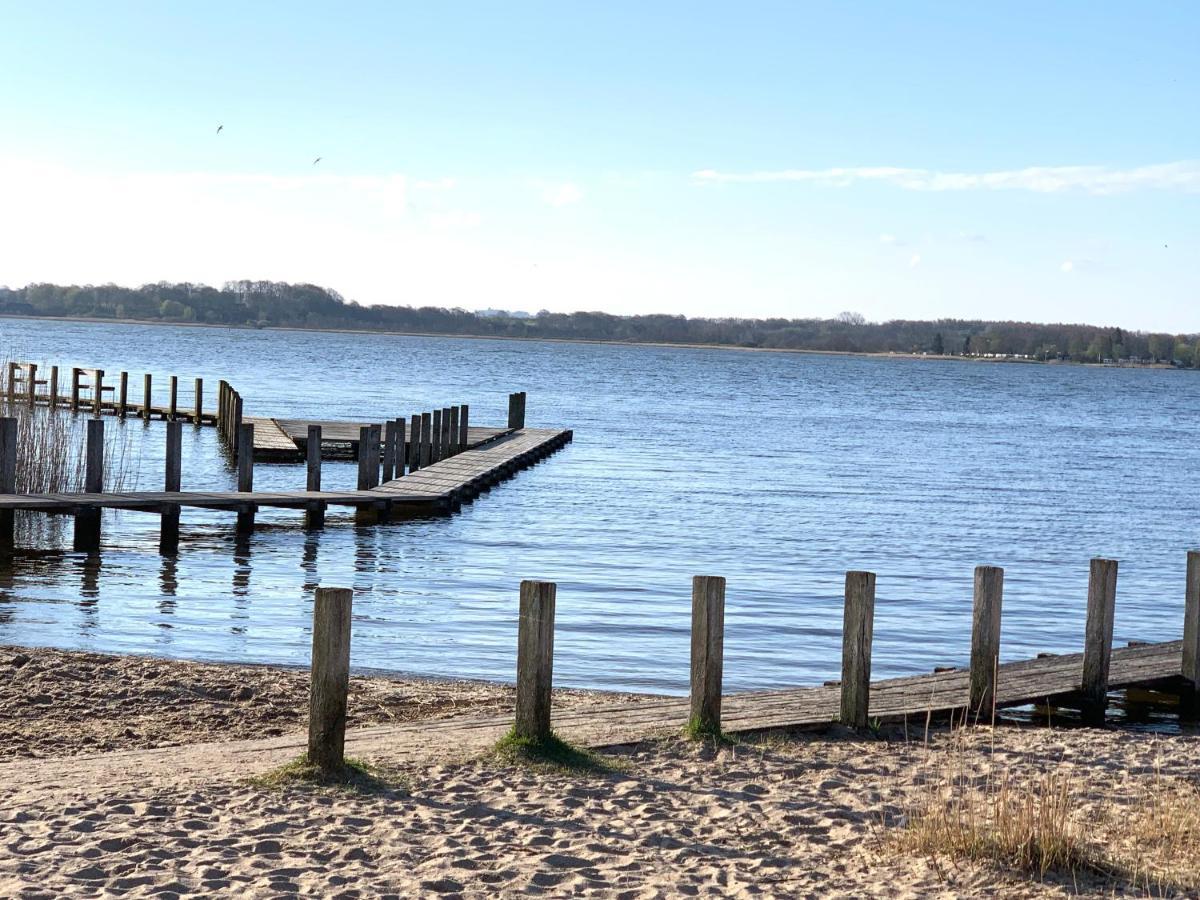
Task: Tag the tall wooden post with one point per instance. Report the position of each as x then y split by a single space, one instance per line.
123 395
426 439
245 475
445 439
8 480
1191 621
32 386
87 519
985 641
10 386
173 402
399 457
857 629
330 678
364 458
147 400
435 439
389 450
535 659
414 443
53 401
315 512
198 418
168 537
235 426
76 375
452 441
97 392
1097 644
708 652
514 411
464 412
222 390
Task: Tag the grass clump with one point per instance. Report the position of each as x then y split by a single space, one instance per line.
696 730
354 775
550 752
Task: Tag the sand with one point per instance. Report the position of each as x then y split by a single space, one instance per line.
812 814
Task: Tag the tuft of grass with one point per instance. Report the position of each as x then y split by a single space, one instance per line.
354 775
550 752
695 731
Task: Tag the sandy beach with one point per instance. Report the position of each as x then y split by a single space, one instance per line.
813 814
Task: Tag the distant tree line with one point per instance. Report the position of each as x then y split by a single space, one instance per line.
274 304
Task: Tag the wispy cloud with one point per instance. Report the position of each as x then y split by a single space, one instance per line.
562 194
914 260
1183 175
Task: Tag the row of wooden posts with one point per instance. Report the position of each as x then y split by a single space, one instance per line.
87 390
535 653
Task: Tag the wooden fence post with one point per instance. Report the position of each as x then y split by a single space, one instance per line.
87 519
985 641
1097 646
330 678
445 437
11 381
452 440
399 457
535 660
414 443
146 396
8 480
245 475
76 373
857 629
463 436
199 417
173 402
32 386
221 391
426 439
708 651
123 395
314 516
435 439
389 450
1191 621
168 537
365 461
97 392
53 401
235 427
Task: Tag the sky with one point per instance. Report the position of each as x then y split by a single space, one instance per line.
1030 161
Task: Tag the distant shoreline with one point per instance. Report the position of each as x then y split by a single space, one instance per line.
880 354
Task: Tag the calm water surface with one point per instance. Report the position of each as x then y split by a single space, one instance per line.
778 471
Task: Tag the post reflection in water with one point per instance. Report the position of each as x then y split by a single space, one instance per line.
89 589
308 563
241 582
168 579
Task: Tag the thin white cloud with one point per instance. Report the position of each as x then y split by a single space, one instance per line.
1067 266
1183 175
887 239
564 194
914 260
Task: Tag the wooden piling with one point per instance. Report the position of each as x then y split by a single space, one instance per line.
315 512
10 386
97 392
514 411
452 441
168 537
1191 621
330 678
245 475
76 374
435 439
364 458
535 660
389 451
235 425
399 456
198 418
123 395
87 519
985 641
8 480
32 386
53 391
414 443
708 643
426 439
1097 646
463 414
222 388
173 402
857 628
147 409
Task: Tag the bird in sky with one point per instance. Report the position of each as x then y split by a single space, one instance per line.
317 160
220 128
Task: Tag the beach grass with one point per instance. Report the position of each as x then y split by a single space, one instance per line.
354 775
550 752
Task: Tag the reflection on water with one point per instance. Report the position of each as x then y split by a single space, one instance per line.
778 471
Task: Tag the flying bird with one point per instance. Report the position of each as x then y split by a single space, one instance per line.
317 160
220 128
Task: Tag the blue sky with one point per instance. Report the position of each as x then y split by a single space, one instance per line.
1036 161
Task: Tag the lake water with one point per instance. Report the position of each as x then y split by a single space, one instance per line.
778 471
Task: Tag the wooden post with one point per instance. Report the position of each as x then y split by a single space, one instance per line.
447 452
389 450
235 426
1097 644
463 439
1191 621
87 519
985 641
146 402
513 411
222 390
173 403
708 651
53 401
245 475
452 442
32 386
414 443
535 659
364 458
199 416
399 457
330 678
315 512
857 628
168 536
8 480
97 392
76 373
123 395
435 439
11 386
426 439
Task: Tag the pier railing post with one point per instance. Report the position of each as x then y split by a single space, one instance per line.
435 439
235 427
414 443
53 392
1191 621
368 458
8 480
389 450
463 415
32 386
444 440
10 385
398 458
147 409
857 629
123 395
985 641
76 374
173 402
221 386
426 439
245 475
87 519
514 411
535 659
97 392
452 440
1097 647
168 538
708 651
315 512
330 678
198 418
